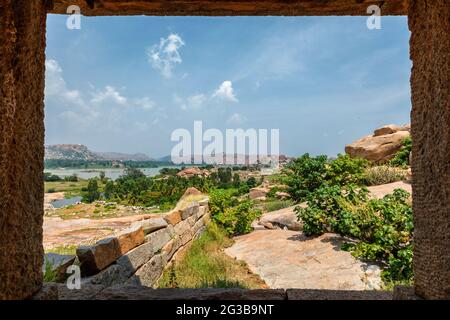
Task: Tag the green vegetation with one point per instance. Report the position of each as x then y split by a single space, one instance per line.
92 192
377 175
50 274
383 227
401 159
377 229
306 174
234 215
275 204
70 189
63 249
48 177
205 265
134 188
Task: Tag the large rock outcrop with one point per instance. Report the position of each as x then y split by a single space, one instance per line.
280 219
381 146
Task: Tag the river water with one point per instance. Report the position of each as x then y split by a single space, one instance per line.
111 173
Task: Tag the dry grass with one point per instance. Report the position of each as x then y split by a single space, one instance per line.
184 202
96 211
383 174
63 249
205 265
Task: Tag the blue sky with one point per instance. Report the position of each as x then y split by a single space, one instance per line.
125 83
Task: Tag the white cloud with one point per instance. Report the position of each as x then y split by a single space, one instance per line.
225 92
145 103
100 109
193 102
56 87
236 119
165 56
109 94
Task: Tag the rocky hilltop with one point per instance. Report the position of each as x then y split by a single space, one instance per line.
81 152
69 152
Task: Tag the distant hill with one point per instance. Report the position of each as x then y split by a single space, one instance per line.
69 152
81 152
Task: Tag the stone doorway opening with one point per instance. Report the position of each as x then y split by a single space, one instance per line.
22 140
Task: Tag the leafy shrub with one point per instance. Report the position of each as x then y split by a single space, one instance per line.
383 226
48 177
346 170
401 158
304 175
307 174
219 200
92 192
51 190
251 182
50 273
374 176
72 178
234 216
272 192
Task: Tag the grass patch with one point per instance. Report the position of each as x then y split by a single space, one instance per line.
96 211
70 188
275 178
50 274
383 174
63 249
205 265
184 202
274 205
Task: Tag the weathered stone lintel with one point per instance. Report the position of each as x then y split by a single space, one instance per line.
231 8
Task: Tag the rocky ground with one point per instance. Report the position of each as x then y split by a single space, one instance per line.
70 232
288 259
50 197
285 258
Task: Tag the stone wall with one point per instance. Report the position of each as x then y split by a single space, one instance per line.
138 255
430 130
22 45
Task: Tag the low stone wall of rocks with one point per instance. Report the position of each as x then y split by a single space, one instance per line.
139 254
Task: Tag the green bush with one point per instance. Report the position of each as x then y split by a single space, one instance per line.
234 216
50 273
346 170
48 177
92 192
383 227
72 178
219 200
306 174
401 158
